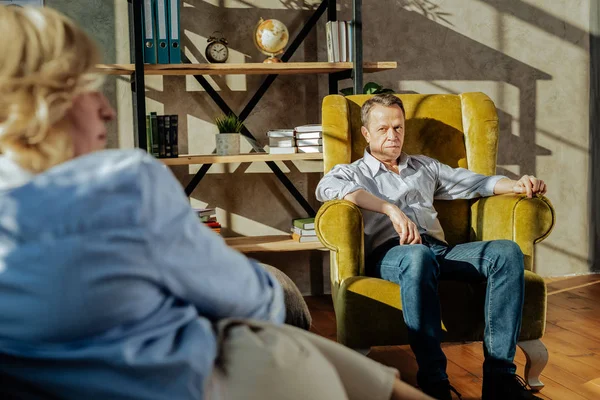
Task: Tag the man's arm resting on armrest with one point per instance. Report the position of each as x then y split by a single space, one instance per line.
407 229
528 184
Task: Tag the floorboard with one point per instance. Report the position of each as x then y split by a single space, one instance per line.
572 337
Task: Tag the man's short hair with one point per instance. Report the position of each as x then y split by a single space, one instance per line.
385 99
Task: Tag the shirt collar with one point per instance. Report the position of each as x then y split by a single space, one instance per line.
11 174
375 165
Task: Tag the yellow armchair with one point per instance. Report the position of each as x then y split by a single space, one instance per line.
461 131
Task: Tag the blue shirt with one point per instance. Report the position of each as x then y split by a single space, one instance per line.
420 181
109 283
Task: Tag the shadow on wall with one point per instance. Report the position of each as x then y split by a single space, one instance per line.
428 51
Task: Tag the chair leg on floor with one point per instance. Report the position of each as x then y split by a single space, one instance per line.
537 357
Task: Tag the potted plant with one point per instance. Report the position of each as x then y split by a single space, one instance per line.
228 139
369 88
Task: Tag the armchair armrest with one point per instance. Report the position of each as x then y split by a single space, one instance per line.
513 217
339 226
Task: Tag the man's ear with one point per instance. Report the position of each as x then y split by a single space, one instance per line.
365 133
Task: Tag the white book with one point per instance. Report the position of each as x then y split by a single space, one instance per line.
350 41
205 212
280 133
309 142
283 150
335 30
309 135
309 128
282 142
304 232
310 149
303 239
343 39
328 28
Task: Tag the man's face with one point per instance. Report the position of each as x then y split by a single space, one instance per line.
385 132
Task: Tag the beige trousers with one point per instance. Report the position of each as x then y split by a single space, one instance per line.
263 361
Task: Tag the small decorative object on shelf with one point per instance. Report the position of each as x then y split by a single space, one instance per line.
217 50
271 37
228 139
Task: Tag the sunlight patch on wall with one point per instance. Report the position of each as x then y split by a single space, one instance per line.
154 106
200 139
245 226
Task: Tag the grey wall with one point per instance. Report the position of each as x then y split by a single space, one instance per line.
531 57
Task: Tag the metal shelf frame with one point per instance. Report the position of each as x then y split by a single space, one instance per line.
139 98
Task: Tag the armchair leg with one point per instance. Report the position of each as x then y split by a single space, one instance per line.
537 357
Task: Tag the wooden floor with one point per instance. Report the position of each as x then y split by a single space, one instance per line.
572 338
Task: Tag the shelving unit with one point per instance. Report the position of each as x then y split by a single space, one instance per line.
335 72
190 159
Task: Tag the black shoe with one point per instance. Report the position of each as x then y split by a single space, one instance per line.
506 386
441 390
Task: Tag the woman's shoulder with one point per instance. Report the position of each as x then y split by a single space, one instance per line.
112 160
128 166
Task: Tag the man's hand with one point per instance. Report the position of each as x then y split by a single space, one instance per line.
407 230
529 184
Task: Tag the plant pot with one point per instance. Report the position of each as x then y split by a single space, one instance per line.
228 144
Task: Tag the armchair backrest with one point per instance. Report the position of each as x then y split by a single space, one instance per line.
458 130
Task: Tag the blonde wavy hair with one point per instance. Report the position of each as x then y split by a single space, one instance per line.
46 61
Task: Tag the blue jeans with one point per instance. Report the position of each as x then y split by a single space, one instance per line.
418 268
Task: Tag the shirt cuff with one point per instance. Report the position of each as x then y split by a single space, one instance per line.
488 188
349 189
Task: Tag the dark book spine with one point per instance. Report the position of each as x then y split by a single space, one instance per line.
161 136
168 147
174 135
154 119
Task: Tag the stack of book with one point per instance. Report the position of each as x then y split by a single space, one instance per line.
282 141
303 230
162 133
208 216
309 138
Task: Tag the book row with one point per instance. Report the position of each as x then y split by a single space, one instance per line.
162 135
161 27
340 41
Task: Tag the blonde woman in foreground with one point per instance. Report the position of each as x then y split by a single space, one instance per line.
110 287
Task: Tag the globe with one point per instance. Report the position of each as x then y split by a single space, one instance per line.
270 37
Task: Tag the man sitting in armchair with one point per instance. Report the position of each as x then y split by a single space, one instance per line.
404 244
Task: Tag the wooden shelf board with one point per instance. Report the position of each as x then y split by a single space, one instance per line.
190 159
253 244
243 69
